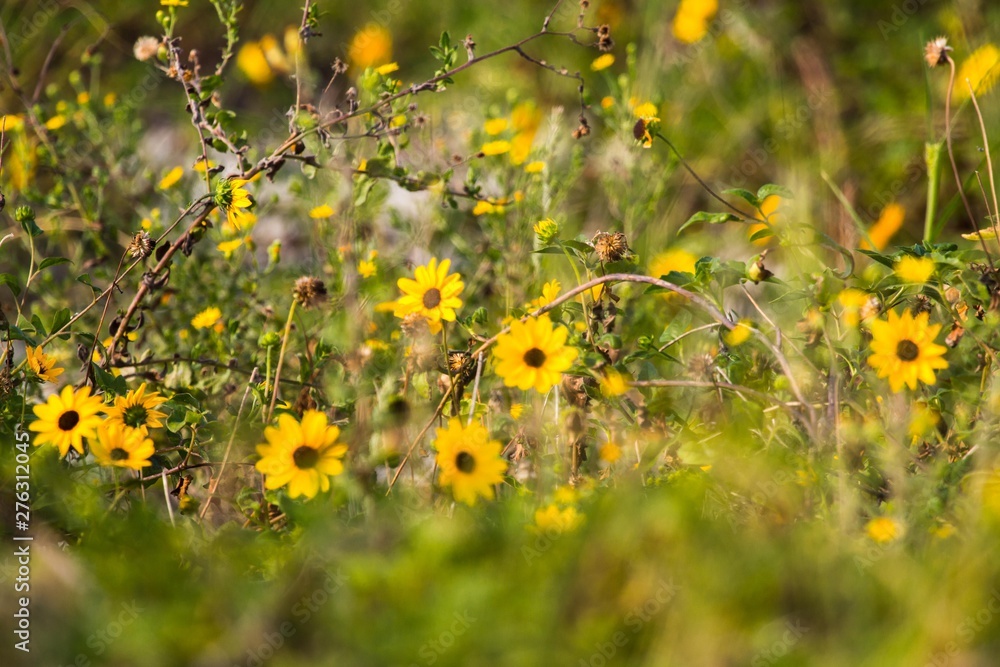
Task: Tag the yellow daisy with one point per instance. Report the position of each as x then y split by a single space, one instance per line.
914 269
206 318
981 68
42 364
119 445
303 455
371 46
469 461
137 409
433 294
551 519
882 529
602 62
67 418
534 354
233 198
904 350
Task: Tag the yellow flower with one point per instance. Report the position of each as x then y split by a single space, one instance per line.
692 19
206 318
738 334
173 3
614 383
366 268
882 529
516 410
981 68
303 455
483 207
645 110
67 418
252 61
888 223
82 98
55 122
470 463
495 126
227 248
610 452
768 218
852 300
550 291
388 68
137 409
668 261
904 350
119 445
607 102
495 147
233 198
171 178
533 354
433 294
914 269
42 364
322 211
603 61
534 167
551 520
371 46
546 230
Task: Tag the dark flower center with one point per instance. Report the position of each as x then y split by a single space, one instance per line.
907 350
432 298
465 462
68 420
305 458
135 416
534 358
118 454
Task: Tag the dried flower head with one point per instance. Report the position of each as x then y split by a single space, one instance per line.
610 247
604 41
141 245
309 291
936 52
145 48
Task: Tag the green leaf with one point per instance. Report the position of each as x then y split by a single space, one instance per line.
12 282
766 191
878 257
745 195
706 217
85 279
36 322
762 233
580 246
29 226
111 385
52 261
59 320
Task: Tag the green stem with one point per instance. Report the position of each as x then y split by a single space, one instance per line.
932 160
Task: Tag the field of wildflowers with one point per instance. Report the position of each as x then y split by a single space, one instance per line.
580 332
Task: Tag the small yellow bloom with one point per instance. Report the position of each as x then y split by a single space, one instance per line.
534 167
603 61
852 300
981 68
55 122
42 364
550 291
469 461
495 126
206 318
370 46
388 68
301 455
322 211
882 530
483 207
110 99
607 102
366 269
121 446
614 383
546 230
610 452
551 520
516 410
914 269
82 98
227 248
66 419
534 354
433 293
903 350
173 3
171 178
252 61
738 334
495 147
645 110
888 223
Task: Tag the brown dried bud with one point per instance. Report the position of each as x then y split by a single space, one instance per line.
141 245
309 292
610 247
936 52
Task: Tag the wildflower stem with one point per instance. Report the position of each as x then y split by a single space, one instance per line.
696 177
281 359
989 160
932 160
254 377
89 361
